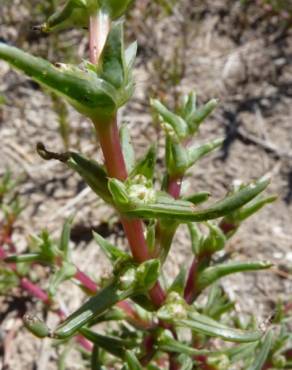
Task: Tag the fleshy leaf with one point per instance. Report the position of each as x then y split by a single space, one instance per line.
132 361
65 272
215 241
129 60
184 211
205 325
72 14
189 106
65 237
115 8
250 209
25 258
88 93
176 122
111 62
91 171
113 253
179 161
113 345
197 198
8 280
127 148
91 309
213 273
168 344
146 275
36 326
218 303
196 238
118 192
201 114
179 282
196 153
146 165
263 353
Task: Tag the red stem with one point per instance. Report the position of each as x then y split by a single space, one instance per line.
174 186
114 160
191 282
35 290
86 281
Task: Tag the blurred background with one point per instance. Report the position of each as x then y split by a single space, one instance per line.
237 51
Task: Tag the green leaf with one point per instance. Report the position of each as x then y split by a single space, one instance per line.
144 277
184 211
115 8
179 160
129 60
48 249
189 106
111 67
196 238
218 303
241 352
196 153
254 207
113 253
92 173
65 237
94 360
8 280
91 309
179 282
127 148
118 192
197 198
197 117
25 258
147 274
213 273
176 122
205 325
146 165
72 14
263 353
88 93
132 361
150 236
65 272
215 241
36 326
113 345
167 344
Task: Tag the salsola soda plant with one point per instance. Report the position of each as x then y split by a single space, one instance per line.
158 323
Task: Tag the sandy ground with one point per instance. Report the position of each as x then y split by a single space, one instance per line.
244 60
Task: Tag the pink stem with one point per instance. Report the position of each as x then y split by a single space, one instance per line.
99 27
84 342
34 290
114 160
86 281
37 292
174 186
191 281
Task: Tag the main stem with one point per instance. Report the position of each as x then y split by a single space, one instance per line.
108 135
